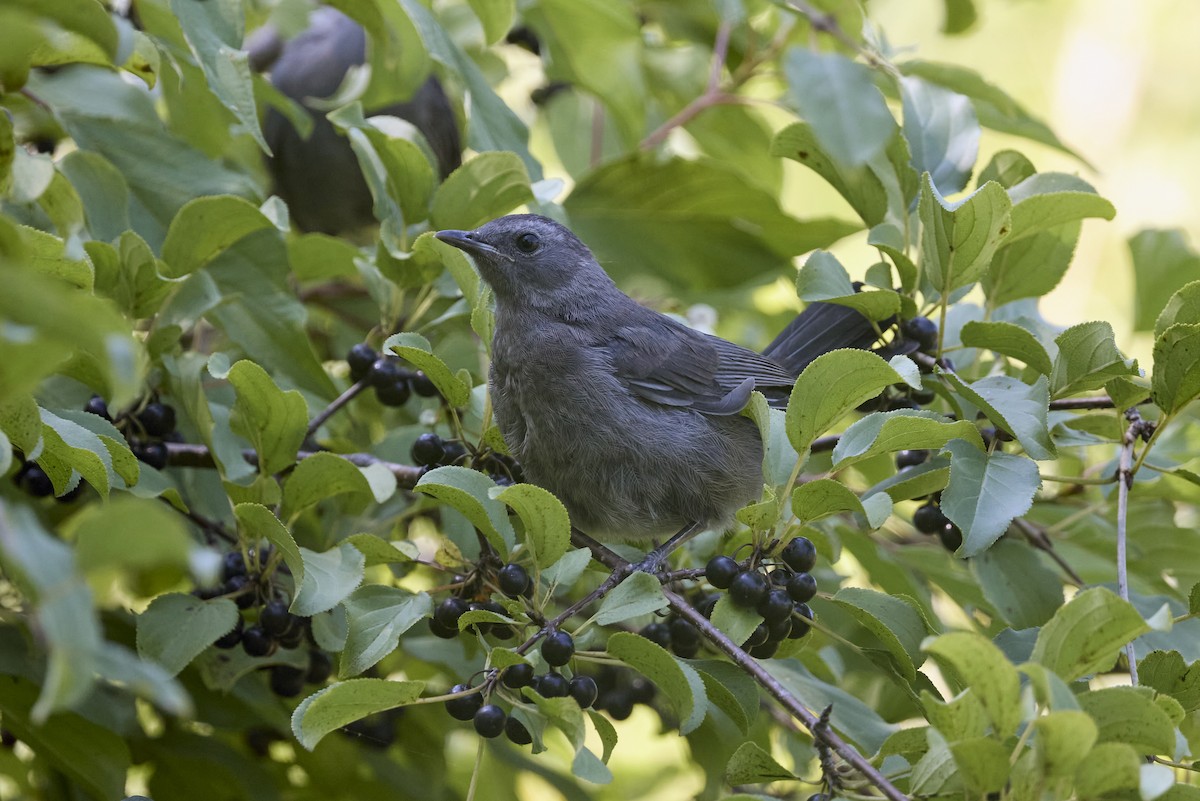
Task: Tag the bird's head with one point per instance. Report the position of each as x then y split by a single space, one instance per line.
532 260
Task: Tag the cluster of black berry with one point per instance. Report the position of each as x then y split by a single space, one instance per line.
620 689
273 628
512 579
677 634
780 596
491 720
393 384
147 429
430 451
929 518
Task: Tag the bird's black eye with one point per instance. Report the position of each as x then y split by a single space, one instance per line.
528 242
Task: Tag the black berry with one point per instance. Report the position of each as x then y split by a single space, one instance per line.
922 397
490 720
800 555
386 372
951 537
359 359
757 637
287 681
294 634
929 519
97 406
801 624
921 330
320 667
584 690
394 394
256 642
464 707
802 588
157 419
516 732
558 648
748 589
764 650
910 458
721 571
517 676
684 633
658 633
642 690
275 618
514 580
428 450
444 632
552 685
447 613
232 565
35 481
233 637
617 703
776 606
152 453
424 386
779 630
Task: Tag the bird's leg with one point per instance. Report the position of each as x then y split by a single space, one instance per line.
656 557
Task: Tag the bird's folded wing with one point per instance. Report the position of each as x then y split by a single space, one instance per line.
671 365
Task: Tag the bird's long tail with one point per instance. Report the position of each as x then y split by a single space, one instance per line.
820 328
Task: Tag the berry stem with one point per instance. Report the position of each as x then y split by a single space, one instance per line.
336 405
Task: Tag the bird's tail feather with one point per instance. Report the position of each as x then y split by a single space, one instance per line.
820 328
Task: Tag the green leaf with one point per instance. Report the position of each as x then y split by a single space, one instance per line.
823 497
1031 266
469 491
206 227
488 186
1087 359
986 492
675 679
377 616
750 764
215 31
639 594
1175 381
1181 307
779 457
331 708
914 482
838 98
942 133
1007 168
1049 199
959 239
1108 767
995 108
547 526
495 16
863 187
1085 635
68 445
88 754
1129 715
1009 340
686 221
962 717
273 420
129 534
416 349
1024 591
596 45
1163 263
889 240
731 691
983 764
902 429
42 568
1167 673
851 717
980 665
328 578
960 16
176 628
1020 409
735 622
830 386
894 620
324 475
824 278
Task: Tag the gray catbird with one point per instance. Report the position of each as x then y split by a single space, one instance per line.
629 417
319 177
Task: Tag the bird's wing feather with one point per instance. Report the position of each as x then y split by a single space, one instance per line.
666 363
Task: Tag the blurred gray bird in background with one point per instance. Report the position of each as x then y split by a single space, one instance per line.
319 177
631 418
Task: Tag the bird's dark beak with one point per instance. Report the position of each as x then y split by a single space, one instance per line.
465 240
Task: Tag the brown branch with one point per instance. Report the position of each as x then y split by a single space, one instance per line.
338 403
1039 539
756 671
711 96
1125 483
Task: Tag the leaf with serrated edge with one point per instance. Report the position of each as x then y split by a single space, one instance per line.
345 702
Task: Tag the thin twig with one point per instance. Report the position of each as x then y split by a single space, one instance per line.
1037 538
333 408
711 96
1125 474
212 529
